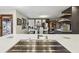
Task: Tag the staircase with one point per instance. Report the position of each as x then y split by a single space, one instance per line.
41 46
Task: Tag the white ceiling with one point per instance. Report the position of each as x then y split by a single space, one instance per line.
36 11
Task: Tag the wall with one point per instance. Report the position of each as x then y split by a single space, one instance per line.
31 22
19 29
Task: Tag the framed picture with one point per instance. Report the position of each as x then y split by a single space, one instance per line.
19 21
23 23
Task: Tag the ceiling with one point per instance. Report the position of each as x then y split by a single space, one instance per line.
37 11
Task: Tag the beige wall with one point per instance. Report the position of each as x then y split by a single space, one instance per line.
19 29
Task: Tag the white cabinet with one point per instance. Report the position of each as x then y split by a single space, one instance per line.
71 42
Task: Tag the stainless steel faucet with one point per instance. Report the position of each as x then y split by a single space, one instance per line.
38 36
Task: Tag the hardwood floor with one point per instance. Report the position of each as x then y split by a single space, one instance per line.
38 46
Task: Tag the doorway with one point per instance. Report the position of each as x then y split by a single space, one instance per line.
6 25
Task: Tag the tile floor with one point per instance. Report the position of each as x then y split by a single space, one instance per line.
41 46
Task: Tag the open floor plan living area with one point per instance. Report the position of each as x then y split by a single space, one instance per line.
39 29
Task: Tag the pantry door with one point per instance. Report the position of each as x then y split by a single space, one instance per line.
7 24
